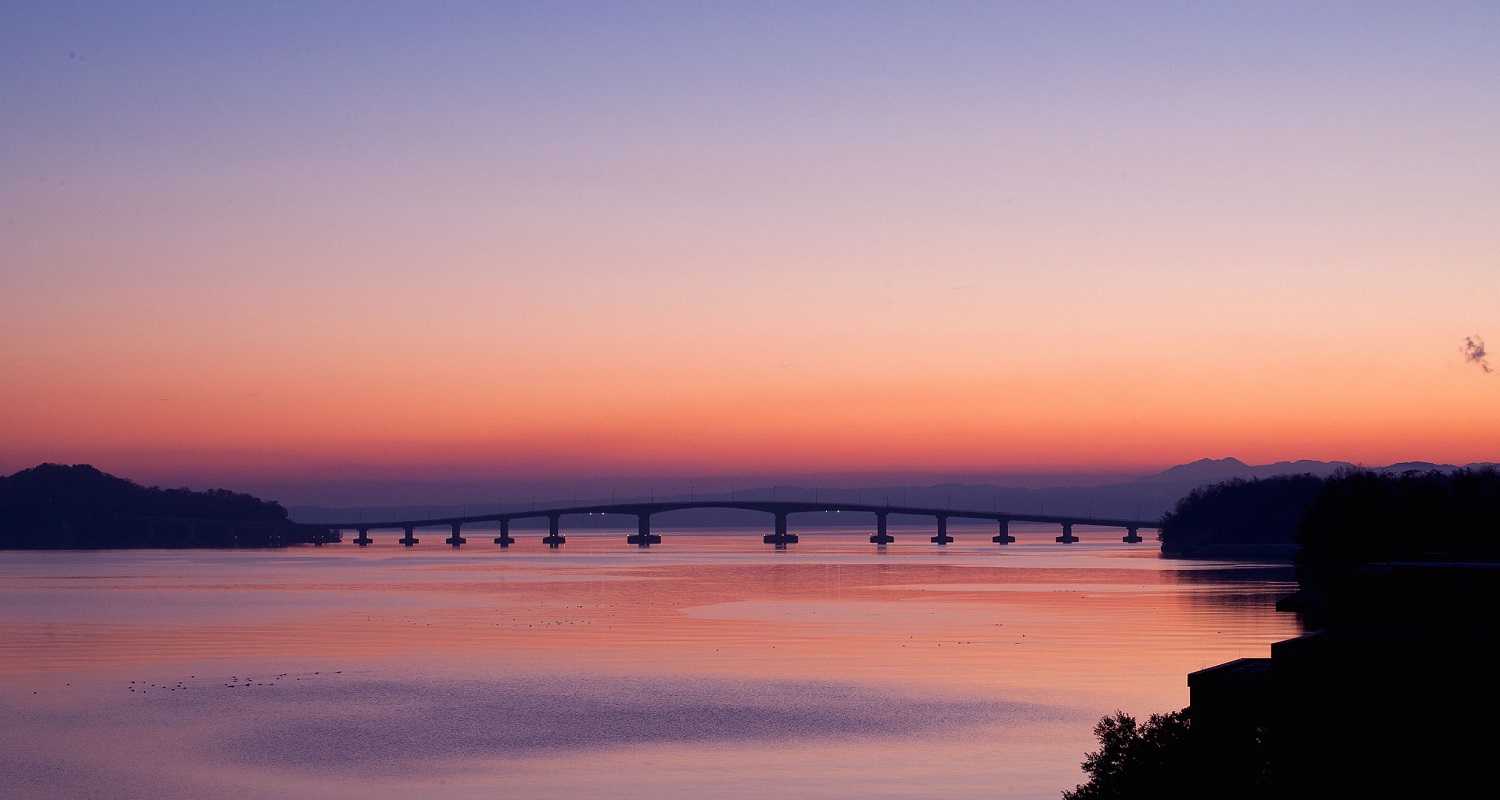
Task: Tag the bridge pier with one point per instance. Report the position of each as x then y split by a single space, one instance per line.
456 539
942 536
780 538
364 537
1067 537
1132 536
409 539
504 539
1004 537
643 535
553 538
881 537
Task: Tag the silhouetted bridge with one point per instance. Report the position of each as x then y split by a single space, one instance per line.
780 510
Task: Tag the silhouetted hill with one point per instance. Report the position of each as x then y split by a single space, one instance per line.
58 507
1204 470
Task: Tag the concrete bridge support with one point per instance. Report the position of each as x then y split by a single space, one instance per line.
1067 537
1004 537
1132 536
881 537
364 537
456 539
410 539
643 535
780 538
942 536
504 539
553 538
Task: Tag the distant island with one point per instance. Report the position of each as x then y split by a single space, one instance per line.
77 507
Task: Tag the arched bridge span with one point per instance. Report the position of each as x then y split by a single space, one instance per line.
778 509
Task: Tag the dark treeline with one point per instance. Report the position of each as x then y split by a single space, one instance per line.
56 507
1364 517
1259 512
1352 515
1397 575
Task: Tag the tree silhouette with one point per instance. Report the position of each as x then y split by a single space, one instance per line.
1138 760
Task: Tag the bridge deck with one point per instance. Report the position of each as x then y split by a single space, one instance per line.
777 508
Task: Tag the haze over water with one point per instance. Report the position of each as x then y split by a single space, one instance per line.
709 665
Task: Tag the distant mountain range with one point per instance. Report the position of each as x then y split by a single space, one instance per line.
1148 497
1212 470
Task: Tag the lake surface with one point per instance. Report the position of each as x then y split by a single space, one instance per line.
710 665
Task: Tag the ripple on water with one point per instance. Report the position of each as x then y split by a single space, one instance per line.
357 726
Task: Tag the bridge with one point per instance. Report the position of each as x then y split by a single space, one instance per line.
779 510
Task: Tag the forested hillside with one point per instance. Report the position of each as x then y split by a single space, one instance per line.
55 506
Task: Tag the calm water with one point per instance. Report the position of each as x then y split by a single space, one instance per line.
710 665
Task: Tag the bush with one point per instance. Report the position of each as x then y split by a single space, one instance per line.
1139 760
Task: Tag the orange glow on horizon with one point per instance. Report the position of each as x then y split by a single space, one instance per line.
936 247
1116 416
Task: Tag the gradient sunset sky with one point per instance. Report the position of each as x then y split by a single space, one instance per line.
272 245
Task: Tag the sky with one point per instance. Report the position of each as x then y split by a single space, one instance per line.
307 247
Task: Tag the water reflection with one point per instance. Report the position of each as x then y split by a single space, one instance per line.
354 727
710 665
